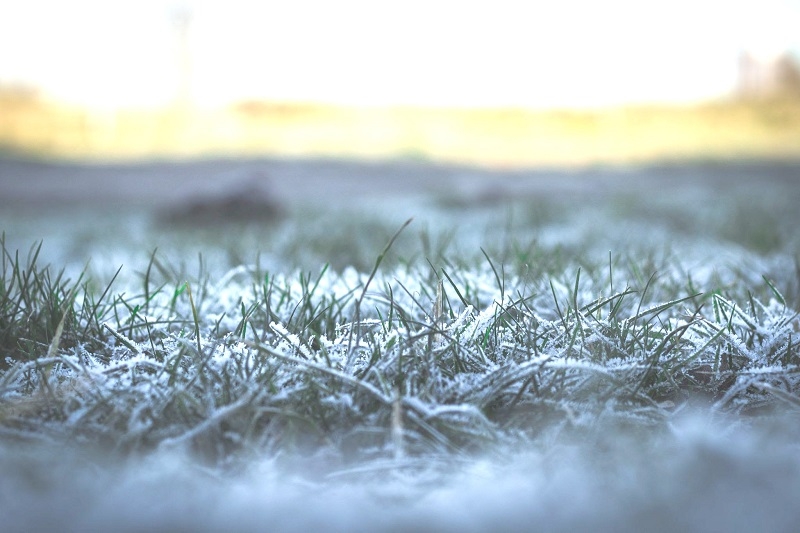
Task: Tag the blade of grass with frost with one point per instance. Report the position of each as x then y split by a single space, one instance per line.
501 280
787 397
464 301
52 350
213 420
92 314
357 314
397 426
659 352
311 366
196 319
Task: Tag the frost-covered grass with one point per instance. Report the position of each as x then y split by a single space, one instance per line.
402 371
418 361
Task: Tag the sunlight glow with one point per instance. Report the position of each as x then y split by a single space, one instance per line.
574 53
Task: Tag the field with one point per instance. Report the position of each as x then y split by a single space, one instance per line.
499 138
295 344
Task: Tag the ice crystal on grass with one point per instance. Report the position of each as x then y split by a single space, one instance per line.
394 364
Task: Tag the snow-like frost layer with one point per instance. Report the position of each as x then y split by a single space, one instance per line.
699 478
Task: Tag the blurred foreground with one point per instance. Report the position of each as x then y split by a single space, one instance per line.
697 477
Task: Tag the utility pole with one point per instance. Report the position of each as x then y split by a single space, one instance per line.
177 132
181 21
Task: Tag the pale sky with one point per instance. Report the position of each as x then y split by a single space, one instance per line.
566 53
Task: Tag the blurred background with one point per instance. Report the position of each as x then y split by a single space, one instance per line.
500 84
300 133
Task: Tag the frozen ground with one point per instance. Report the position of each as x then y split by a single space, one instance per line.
723 226
84 212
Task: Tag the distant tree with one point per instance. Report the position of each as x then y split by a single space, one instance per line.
181 21
768 77
19 93
788 73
